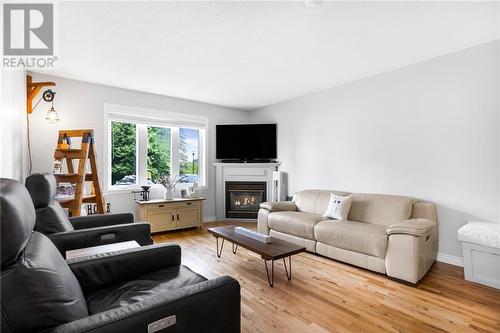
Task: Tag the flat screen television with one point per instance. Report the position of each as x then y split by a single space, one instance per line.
252 142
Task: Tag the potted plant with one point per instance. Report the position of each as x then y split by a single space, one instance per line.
169 183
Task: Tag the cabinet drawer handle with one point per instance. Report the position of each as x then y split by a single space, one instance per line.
188 203
173 219
161 205
177 217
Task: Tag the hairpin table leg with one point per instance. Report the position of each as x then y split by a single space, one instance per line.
270 280
221 247
288 275
235 248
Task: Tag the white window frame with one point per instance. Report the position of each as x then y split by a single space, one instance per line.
150 117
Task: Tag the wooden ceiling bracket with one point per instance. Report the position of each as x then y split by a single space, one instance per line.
32 90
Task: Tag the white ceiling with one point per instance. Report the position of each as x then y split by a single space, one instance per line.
250 54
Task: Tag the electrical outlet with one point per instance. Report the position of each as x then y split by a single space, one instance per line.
162 323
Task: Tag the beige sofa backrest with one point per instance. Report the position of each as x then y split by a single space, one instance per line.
314 201
371 208
380 208
424 210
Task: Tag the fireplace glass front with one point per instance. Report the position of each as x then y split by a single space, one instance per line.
243 199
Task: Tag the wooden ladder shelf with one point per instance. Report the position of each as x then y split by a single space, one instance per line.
80 176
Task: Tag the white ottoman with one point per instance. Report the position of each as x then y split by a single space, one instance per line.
481 250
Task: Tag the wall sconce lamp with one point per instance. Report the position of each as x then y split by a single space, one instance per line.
32 90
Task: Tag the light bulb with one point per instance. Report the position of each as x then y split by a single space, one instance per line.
52 117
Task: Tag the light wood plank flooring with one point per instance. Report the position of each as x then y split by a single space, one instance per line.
329 296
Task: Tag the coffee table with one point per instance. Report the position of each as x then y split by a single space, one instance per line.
277 249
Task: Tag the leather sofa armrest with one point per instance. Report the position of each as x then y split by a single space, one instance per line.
98 271
414 227
100 220
208 306
279 206
77 239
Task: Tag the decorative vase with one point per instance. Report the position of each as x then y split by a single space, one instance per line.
169 194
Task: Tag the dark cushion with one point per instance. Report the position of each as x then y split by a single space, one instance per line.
141 288
42 188
40 291
50 216
52 219
17 217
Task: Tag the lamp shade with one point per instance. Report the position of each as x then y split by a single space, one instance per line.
52 116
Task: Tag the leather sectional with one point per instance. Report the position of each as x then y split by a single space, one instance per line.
144 289
80 231
393 235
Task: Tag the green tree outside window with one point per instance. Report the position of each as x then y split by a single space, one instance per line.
123 153
159 143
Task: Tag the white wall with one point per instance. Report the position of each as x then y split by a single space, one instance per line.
81 105
429 131
13 124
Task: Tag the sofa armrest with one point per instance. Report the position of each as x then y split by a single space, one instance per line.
279 206
414 227
100 220
97 271
411 249
209 306
77 239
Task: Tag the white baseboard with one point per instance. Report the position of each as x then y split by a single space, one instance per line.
449 259
209 219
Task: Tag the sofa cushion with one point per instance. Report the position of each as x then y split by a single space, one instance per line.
294 223
42 188
40 291
314 201
424 210
52 219
380 208
148 285
360 237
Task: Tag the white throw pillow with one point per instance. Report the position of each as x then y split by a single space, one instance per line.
338 207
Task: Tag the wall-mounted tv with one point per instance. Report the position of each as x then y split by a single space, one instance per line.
251 142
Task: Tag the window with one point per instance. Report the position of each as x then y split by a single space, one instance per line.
159 147
123 153
140 149
189 155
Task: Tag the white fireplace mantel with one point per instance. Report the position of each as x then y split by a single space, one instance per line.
250 172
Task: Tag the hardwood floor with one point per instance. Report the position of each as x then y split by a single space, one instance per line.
328 296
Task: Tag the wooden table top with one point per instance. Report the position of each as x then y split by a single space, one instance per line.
277 249
156 201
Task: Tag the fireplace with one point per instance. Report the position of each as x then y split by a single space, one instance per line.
243 199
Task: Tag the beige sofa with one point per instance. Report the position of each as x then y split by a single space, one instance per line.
393 235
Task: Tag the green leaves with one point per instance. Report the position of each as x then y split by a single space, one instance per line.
123 150
158 152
